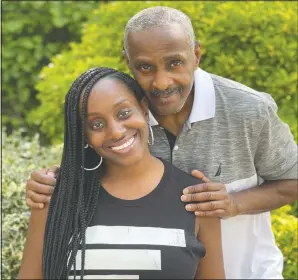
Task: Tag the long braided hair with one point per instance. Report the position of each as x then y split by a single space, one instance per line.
76 194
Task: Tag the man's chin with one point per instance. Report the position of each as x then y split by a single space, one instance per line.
165 111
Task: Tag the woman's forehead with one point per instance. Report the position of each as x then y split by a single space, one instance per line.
111 87
108 93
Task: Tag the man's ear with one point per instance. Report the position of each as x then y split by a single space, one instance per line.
145 107
197 52
124 53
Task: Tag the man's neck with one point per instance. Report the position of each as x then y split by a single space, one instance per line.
174 123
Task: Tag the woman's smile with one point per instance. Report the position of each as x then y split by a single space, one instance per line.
124 146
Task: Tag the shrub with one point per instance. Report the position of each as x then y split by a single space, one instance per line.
32 33
294 210
20 156
285 229
250 42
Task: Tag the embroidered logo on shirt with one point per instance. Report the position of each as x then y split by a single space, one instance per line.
218 171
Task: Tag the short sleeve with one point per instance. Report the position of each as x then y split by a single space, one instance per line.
276 153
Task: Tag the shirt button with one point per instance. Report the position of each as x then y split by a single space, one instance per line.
176 148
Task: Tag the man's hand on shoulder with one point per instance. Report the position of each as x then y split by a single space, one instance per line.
40 187
212 199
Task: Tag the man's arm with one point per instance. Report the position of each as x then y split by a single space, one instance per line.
266 197
216 202
275 160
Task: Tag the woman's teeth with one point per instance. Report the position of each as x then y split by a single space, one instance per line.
125 145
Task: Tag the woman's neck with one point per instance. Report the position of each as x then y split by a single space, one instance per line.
133 181
122 172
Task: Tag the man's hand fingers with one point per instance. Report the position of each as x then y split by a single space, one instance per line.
42 177
206 206
200 175
34 205
37 198
39 188
53 171
215 213
204 196
205 187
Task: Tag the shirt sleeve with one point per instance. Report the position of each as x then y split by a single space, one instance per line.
276 153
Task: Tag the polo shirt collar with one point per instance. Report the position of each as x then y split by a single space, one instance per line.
203 107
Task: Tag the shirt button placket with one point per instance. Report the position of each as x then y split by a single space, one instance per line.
174 153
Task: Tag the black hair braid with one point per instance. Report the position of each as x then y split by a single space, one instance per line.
76 194
65 201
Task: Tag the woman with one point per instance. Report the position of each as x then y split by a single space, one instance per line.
100 223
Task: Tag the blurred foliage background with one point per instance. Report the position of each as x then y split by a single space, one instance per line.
32 32
47 44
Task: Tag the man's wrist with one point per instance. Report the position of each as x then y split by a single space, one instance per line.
236 205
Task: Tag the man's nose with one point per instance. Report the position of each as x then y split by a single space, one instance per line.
161 80
115 130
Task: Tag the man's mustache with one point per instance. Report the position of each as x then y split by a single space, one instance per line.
164 93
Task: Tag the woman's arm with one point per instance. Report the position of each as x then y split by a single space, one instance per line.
31 266
211 266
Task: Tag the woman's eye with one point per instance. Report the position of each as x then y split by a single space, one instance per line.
124 114
97 125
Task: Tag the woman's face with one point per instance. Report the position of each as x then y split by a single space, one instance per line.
116 126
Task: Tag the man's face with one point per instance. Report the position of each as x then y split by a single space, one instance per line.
163 63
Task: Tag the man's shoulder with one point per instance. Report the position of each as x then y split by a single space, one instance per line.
241 98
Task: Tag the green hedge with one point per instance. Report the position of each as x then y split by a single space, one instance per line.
285 229
22 155
32 32
251 42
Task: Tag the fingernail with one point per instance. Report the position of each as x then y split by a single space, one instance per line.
188 207
183 197
198 213
185 191
40 206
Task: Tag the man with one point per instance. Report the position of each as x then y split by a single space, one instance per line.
225 129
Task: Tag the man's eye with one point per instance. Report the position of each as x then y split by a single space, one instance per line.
176 63
145 67
124 113
98 125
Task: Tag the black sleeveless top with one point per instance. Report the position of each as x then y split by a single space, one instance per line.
148 238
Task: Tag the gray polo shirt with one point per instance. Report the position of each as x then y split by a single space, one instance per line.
235 137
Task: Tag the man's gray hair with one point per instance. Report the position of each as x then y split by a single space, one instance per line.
157 17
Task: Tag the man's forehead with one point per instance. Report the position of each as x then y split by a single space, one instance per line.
165 32
170 38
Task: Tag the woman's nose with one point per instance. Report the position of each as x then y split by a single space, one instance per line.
116 130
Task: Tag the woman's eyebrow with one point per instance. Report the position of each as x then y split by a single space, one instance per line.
120 102
117 104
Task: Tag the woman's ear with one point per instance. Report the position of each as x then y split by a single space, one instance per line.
144 106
